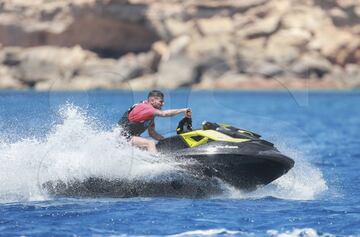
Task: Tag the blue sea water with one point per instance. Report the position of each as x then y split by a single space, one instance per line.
72 135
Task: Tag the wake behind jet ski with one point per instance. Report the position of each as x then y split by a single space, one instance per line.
236 156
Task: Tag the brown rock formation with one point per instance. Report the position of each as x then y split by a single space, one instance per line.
112 27
61 44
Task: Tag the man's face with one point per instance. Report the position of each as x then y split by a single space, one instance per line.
156 101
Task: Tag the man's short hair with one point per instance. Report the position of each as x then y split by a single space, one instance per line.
155 93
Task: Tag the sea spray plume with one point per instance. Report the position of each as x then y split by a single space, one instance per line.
77 151
74 149
18 180
80 150
85 160
303 182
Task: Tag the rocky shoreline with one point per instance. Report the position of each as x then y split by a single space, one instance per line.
209 44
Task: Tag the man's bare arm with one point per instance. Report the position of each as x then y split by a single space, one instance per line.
170 112
154 134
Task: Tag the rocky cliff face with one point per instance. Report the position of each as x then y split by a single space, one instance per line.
140 44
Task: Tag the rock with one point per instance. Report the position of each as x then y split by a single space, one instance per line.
7 81
212 46
210 69
31 72
11 56
240 20
113 27
356 29
235 81
339 40
305 17
142 43
117 71
281 7
343 42
347 3
132 66
206 9
347 54
311 64
176 72
260 28
265 69
357 11
178 45
227 81
161 49
292 37
309 84
77 83
50 63
352 75
177 28
243 5
251 50
106 69
243 82
52 85
142 83
280 53
339 17
215 25
89 83
284 47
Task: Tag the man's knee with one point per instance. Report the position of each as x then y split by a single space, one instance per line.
142 141
150 143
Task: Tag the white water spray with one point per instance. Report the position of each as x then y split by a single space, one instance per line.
75 149
302 182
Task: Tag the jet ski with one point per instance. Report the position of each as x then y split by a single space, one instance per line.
213 154
237 156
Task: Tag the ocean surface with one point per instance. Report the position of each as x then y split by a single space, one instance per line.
67 136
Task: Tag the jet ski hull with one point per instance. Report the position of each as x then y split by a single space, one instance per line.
244 165
241 171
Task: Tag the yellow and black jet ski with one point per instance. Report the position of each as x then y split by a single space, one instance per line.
236 156
215 151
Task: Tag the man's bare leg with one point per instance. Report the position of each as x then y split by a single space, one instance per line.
143 142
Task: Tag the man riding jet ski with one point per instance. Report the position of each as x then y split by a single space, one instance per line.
236 156
214 151
141 117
